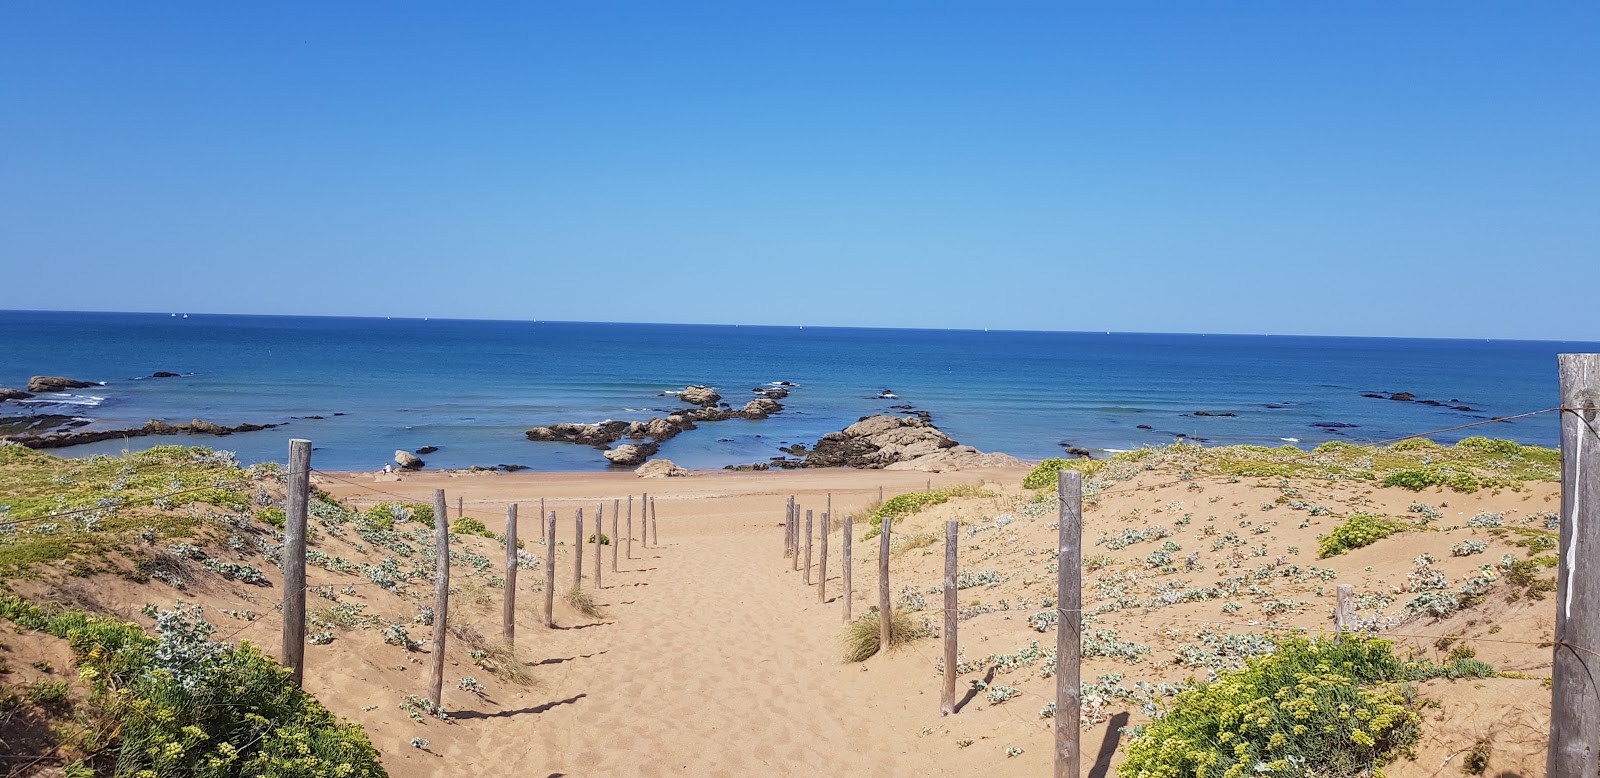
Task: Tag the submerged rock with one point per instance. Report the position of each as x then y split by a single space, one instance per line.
12 394
164 374
700 395
64 435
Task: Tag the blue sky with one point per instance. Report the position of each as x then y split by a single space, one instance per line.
1418 168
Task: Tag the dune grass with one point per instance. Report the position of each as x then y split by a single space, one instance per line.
583 602
861 638
496 656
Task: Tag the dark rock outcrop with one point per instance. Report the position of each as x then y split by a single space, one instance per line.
12 394
1213 413
426 450
55 383
657 430
163 374
60 438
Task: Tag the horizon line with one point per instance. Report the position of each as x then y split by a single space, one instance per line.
800 326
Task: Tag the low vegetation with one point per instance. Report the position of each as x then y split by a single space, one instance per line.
583 602
1358 531
180 704
862 638
902 505
1334 707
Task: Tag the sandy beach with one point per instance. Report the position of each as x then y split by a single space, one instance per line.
712 657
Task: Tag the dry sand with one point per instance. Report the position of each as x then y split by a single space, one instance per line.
712 657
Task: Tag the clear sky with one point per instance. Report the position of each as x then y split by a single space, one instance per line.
1362 168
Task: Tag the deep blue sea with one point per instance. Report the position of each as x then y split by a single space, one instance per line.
472 388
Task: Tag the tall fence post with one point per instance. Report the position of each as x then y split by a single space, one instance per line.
644 519
543 538
808 547
849 542
794 539
1069 629
655 526
549 525
441 596
788 524
1343 609
615 540
947 696
577 565
630 526
599 529
884 635
1574 696
295 505
461 505
509 617
822 563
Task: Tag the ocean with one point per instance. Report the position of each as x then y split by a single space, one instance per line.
472 388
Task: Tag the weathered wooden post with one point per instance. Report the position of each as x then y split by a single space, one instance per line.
599 529
644 519
880 494
1575 697
884 635
542 536
849 542
1344 609
295 506
441 596
508 618
461 505
549 525
794 539
808 547
616 540
655 526
577 564
630 526
788 525
952 602
1069 629
822 564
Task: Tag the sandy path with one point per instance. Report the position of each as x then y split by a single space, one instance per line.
713 659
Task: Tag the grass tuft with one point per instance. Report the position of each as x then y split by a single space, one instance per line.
861 636
583 601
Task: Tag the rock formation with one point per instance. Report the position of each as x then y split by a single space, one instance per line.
703 396
12 394
163 374
656 431
60 438
894 443
661 468
407 460
55 383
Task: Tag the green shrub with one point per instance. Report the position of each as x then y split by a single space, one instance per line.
605 540
1414 444
1417 479
1357 531
232 711
903 505
1491 446
466 525
384 515
1335 706
1043 475
274 516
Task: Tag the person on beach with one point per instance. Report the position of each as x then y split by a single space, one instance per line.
387 468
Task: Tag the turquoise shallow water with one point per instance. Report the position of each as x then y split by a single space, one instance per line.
473 387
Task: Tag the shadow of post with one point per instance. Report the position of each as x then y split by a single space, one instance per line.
1108 746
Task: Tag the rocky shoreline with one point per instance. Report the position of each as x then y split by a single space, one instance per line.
885 442
651 434
61 438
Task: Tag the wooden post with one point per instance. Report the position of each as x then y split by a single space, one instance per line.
1069 630
295 505
615 539
952 602
822 564
794 539
1344 609
461 506
880 494
630 526
655 527
883 585
542 536
577 565
509 617
549 525
599 529
788 524
808 547
1575 698
930 486
849 542
441 595
644 519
